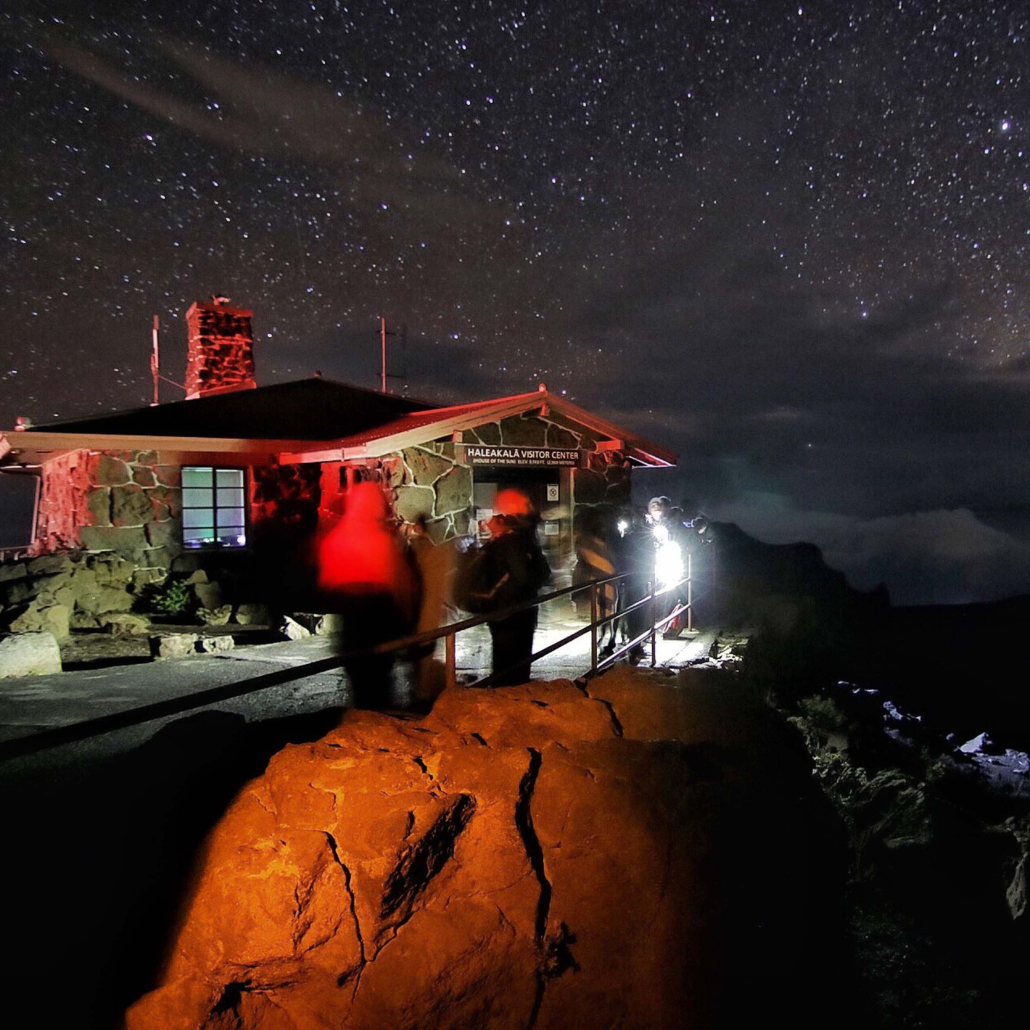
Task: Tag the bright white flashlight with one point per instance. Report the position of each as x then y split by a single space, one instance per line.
668 563
623 525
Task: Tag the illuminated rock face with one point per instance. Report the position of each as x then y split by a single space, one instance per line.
531 856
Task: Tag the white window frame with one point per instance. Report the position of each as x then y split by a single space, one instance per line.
217 504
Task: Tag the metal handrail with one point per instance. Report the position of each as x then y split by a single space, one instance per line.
102 724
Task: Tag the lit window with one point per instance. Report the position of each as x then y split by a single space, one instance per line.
214 507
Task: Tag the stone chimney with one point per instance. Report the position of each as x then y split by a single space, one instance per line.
221 348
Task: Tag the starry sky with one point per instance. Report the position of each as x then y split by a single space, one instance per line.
788 240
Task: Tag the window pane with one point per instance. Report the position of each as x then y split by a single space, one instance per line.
18 494
195 497
196 518
193 475
230 497
214 507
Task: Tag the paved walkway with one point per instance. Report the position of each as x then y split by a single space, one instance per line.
32 704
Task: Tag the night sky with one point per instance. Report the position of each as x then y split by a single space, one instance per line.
790 241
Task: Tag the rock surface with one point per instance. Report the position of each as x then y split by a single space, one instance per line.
528 857
29 654
173 645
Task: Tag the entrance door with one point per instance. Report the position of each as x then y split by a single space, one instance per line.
544 487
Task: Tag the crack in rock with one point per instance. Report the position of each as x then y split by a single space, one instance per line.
420 862
480 738
557 961
616 724
351 974
556 955
530 841
422 765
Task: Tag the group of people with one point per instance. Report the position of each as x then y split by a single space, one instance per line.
641 548
387 587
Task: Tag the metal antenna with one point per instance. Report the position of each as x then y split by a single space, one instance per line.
383 334
155 364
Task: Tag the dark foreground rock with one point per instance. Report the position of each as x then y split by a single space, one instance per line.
937 901
651 854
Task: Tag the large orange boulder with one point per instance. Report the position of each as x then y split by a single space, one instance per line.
532 856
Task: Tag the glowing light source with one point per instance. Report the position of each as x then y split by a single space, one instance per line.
668 564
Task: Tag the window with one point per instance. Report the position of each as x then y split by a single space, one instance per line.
214 507
19 505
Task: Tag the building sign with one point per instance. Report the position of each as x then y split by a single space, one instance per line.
481 454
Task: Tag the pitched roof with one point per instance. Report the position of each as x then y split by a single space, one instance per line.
306 421
307 409
420 426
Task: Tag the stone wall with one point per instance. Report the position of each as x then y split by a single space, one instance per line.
63 503
135 504
604 480
128 502
58 592
286 494
428 481
109 523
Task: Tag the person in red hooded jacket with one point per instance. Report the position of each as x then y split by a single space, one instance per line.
367 575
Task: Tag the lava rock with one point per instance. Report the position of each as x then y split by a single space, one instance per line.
215 645
293 630
29 654
528 856
173 645
125 625
215 616
252 614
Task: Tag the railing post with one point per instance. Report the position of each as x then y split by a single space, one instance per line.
654 642
593 627
450 678
690 592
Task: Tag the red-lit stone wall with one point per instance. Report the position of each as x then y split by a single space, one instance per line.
285 494
221 349
109 524
128 502
63 503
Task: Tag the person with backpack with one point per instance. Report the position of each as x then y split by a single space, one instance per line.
510 569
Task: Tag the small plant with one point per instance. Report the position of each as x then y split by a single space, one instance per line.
172 597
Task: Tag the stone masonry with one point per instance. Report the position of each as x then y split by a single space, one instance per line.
221 349
109 524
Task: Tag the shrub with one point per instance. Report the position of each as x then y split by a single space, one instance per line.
172 597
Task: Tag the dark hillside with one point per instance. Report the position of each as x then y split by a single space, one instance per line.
962 667
967 665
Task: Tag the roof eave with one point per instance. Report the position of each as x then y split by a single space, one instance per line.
18 447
